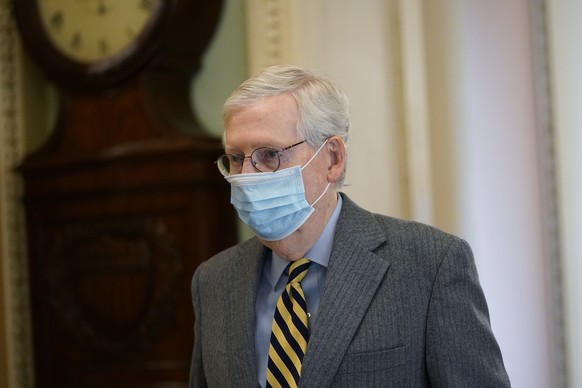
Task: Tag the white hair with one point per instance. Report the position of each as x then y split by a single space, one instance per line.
323 106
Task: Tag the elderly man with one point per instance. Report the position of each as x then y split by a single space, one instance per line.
328 294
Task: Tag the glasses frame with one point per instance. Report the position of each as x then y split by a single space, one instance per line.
243 157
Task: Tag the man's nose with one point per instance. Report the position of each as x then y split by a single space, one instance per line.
247 166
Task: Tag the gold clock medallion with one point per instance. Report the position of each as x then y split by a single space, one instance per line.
91 31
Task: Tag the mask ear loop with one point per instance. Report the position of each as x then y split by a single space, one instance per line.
319 149
328 183
314 155
322 194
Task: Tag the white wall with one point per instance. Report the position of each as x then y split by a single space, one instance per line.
356 44
491 125
483 135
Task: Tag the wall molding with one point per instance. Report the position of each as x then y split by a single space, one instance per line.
548 176
13 255
270 33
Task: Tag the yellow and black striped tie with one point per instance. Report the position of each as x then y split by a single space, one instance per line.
289 333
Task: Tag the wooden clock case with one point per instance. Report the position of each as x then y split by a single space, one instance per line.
123 202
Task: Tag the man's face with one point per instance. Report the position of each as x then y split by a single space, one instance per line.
272 122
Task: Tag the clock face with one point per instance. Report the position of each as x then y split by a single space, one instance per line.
92 31
89 47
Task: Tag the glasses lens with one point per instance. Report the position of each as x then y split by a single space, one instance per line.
266 159
228 165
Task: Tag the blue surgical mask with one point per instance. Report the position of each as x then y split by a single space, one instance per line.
272 204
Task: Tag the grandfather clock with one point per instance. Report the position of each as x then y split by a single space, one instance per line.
123 201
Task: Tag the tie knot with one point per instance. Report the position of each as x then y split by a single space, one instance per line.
297 270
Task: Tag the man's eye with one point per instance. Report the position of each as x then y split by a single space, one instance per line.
237 159
271 154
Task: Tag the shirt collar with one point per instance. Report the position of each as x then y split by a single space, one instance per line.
319 252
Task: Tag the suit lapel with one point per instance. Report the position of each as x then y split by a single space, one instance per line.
353 275
241 318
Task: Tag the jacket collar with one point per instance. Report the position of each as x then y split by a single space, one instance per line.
353 276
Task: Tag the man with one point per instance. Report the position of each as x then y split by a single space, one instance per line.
380 302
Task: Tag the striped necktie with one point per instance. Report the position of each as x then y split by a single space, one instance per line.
289 332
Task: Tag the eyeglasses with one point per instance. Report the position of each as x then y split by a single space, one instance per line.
263 159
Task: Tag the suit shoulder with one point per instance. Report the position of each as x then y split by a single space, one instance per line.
413 229
229 258
396 233
420 239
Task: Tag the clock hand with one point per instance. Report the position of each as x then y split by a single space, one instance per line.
101 8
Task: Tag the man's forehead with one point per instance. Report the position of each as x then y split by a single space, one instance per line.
270 120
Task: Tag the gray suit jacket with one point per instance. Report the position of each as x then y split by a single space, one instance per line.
401 307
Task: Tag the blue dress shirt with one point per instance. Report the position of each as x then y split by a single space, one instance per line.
273 281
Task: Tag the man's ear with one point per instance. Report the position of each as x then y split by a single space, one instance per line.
337 154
